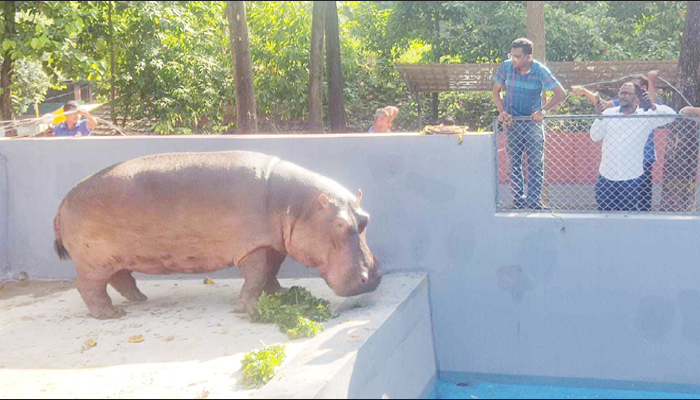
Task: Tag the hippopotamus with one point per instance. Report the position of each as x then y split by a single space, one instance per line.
185 213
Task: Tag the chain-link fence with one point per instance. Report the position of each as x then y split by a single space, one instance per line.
636 163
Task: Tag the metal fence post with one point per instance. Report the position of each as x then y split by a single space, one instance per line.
497 167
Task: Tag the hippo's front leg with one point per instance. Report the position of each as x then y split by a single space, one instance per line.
259 269
273 286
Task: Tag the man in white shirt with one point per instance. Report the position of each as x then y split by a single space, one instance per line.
622 164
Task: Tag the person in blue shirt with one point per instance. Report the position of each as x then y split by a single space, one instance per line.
73 125
525 80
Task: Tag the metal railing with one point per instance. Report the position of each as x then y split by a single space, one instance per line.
617 163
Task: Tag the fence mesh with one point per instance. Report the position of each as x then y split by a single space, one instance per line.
636 163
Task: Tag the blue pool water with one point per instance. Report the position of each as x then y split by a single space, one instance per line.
487 390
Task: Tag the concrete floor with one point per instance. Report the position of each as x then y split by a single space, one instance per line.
192 348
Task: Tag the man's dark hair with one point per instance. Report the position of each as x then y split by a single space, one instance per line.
522 43
71 105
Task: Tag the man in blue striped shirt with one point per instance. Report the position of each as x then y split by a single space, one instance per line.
525 80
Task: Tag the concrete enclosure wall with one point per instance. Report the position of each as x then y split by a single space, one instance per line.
4 217
569 295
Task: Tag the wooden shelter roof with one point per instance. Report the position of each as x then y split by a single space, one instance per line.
431 78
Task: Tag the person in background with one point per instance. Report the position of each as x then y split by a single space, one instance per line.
383 119
622 164
74 125
525 80
648 84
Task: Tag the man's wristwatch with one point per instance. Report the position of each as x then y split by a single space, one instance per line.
543 111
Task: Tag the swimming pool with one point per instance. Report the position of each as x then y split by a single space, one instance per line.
492 390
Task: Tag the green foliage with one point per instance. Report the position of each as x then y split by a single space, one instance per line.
258 367
304 328
174 63
174 67
280 35
295 312
44 32
474 109
30 84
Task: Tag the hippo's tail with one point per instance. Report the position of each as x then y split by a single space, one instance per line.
58 244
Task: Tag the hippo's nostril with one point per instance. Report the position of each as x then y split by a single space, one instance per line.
364 278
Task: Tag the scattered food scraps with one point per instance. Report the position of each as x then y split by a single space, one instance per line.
136 339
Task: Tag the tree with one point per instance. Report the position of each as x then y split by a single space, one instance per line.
34 32
240 51
112 61
316 67
9 11
336 103
171 75
535 29
681 166
173 69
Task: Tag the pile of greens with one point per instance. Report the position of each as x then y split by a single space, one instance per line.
297 312
259 366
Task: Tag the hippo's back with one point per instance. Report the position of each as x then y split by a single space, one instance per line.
162 177
165 202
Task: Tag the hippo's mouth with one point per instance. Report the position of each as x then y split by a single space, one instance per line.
357 285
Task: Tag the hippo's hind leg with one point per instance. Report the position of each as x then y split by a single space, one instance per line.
125 284
259 269
93 290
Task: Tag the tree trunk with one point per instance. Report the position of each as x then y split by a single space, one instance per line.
437 54
336 104
6 71
112 91
535 29
435 108
689 60
681 165
243 67
316 67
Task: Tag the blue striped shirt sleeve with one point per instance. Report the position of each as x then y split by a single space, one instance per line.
549 82
500 76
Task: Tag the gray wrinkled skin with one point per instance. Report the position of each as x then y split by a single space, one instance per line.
201 212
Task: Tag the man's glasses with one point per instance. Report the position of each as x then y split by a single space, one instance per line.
512 57
626 94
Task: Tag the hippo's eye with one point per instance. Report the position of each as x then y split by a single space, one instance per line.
341 224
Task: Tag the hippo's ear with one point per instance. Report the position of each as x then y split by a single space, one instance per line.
323 200
359 196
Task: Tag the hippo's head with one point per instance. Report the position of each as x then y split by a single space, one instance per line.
331 237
